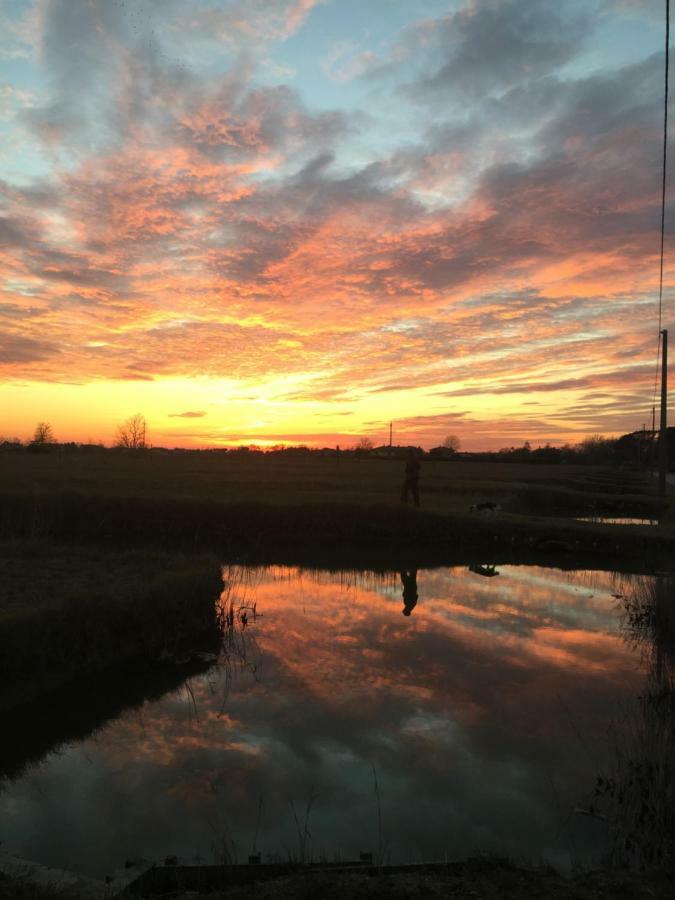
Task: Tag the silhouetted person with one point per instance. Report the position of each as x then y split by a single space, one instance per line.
409 581
411 484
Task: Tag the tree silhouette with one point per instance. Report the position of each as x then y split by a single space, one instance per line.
452 442
131 433
44 434
364 445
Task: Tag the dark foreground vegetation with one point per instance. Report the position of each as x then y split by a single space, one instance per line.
69 611
484 878
76 709
637 795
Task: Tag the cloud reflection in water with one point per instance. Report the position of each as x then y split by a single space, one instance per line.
485 714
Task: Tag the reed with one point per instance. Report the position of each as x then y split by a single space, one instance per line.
637 797
264 531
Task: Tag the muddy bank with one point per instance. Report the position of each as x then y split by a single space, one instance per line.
470 880
467 880
78 709
68 611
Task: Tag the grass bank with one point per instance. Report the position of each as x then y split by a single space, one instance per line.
67 610
79 708
482 878
470 880
347 533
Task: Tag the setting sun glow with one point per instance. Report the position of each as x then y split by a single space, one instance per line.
295 222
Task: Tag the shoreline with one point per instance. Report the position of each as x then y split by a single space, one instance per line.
488 877
258 530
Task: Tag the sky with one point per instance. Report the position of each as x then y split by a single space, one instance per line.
294 221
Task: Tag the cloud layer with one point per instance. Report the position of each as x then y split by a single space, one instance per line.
476 222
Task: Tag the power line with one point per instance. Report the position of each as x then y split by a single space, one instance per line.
663 194
665 157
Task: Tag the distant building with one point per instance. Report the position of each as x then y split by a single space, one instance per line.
442 453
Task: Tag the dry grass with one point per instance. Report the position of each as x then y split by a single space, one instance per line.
638 795
479 880
267 507
447 487
487 879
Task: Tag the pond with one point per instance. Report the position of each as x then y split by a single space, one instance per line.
418 715
617 520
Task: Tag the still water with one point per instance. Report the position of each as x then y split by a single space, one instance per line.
417 715
617 520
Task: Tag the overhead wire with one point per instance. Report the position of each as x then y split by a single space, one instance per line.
663 199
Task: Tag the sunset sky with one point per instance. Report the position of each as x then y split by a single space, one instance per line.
294 221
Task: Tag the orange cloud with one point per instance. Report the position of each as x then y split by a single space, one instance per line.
203 223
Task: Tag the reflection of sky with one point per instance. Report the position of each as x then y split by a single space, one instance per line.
485 715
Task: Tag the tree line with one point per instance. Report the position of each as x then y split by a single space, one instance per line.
130 435
638 449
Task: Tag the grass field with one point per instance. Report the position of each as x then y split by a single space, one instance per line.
446 486
268 506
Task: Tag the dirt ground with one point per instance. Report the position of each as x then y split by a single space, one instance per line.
488 881
473 880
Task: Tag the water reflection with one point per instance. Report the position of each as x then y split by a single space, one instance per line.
617 520
484 570
409 582
483 717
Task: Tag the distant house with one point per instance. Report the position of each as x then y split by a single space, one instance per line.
442 453
383 452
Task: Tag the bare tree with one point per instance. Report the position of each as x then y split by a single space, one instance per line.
596 449
452 442
364 445
131 434
44 434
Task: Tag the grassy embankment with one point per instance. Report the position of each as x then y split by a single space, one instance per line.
74 710
66 611
483 878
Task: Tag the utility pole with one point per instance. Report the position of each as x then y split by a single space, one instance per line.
663 434
643 444
390 435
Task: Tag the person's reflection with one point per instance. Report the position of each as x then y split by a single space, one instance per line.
409 582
